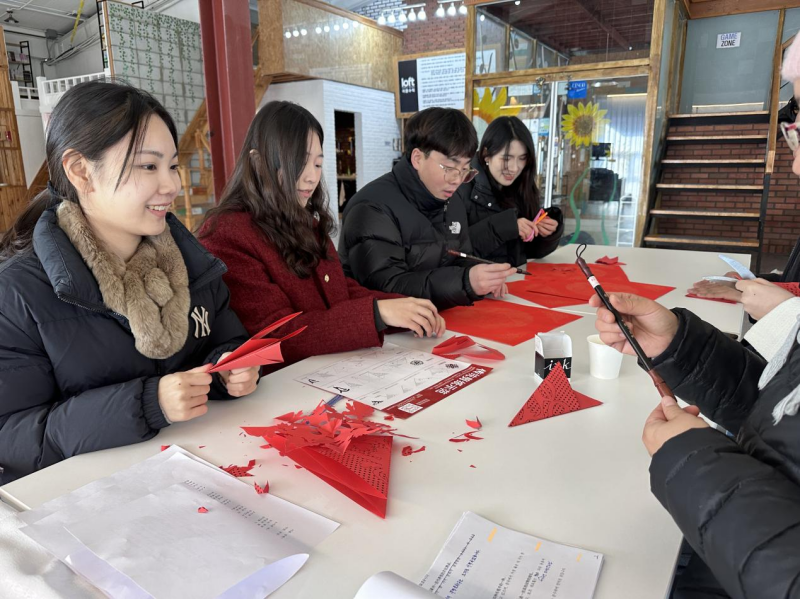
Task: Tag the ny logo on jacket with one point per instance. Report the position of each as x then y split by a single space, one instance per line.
201 326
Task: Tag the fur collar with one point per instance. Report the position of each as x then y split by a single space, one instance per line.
151 290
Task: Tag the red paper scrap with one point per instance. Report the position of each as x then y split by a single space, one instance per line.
262 490
298 467
465 346
464 437
389 417
553 397
200 446
793 288
240 471
406 451
472 465
258 350
712 299
165 447
202 510
475 423
505 322
607 260
460 451
358 409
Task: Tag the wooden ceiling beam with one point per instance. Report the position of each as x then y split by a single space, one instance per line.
589 9
719 8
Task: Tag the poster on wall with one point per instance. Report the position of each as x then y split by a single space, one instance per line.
427 81
729 40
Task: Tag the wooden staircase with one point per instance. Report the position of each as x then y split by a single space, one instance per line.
712 184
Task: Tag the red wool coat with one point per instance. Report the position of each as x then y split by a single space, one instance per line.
338 311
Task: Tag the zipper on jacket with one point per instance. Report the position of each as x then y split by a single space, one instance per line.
65 299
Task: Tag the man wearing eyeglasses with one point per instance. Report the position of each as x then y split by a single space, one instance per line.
398 229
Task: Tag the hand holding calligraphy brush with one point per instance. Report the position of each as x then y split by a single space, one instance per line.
644 361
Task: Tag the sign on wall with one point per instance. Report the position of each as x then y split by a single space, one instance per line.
577 90
729 40
427 81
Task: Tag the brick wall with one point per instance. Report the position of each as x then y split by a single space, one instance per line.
783 210
373 11
435 33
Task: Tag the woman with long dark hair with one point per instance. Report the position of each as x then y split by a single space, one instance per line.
272 228
503 199
110 311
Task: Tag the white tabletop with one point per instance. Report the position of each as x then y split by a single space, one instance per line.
579 479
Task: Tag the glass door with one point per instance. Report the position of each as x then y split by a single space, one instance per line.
589 138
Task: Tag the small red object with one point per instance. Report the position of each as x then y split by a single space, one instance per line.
464 437
711 299
462 345
164 447
407 451
262 490
609 261
240 471
202 510
472 465
476 424
389 417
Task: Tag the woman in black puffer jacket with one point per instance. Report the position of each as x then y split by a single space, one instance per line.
503 200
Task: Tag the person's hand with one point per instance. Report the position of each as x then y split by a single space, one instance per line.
760 297
184 395
489 278
239 381
418 315
546 227
668 420
716 290
652 325
526 227
501 292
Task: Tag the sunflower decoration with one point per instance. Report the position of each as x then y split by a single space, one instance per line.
582 124
487 108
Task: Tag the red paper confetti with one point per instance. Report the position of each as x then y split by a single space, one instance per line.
298 467
464 437
165 447
240 471
465 346
472 465
359 410
262 490
609 261
476 424
407 451
202 510
389 417
200 446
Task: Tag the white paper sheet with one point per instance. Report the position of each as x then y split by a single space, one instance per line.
388 585
383 377
481 559
61 525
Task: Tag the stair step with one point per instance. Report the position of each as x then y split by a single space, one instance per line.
721 118
734 162
704 214
707 187
683 240
748 138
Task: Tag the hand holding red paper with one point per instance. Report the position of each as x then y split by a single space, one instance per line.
240 381
716 291
652 325
258 350
668 420
759 297
184 395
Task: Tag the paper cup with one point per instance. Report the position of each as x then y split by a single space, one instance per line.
604 361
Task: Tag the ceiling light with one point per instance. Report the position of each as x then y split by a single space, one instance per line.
412 16
516 3
483 18
382 20
452 10
355 24
440 11
421 16
304 32
326 29
336 27
403 17
318 30
296 33
10 17
391 18
462 10
345 25
288 35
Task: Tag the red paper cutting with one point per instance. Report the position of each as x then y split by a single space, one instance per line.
465 346
407 450
359 410
464 437
475 423
793 288
553 397
607 260
240 471
258 351
389 417
202 510
505 322
164 447
262 490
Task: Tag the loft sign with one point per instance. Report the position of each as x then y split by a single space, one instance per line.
729 40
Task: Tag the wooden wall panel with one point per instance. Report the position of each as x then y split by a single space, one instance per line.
361 55
13 189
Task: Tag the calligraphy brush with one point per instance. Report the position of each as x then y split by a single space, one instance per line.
521 271
644 361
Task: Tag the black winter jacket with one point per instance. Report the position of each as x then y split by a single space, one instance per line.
493 229
71 380
736 502
395 237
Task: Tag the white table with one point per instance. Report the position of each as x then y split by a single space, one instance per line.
579 479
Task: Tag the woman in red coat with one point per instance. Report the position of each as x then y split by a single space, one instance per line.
272 229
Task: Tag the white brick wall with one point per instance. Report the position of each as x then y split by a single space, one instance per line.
376 125
374 10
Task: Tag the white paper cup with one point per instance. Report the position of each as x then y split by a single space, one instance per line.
604 361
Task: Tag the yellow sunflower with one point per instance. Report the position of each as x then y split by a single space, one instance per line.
487 108
582 124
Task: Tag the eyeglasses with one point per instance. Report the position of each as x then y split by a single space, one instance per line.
791 135
456 175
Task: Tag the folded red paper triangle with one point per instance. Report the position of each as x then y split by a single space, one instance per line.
361 473
258 351
553 397
461 345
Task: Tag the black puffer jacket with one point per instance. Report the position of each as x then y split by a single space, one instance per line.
736 502
71 380
395 237
493 229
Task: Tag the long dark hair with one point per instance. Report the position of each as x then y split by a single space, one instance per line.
90 118
523 193
264 185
